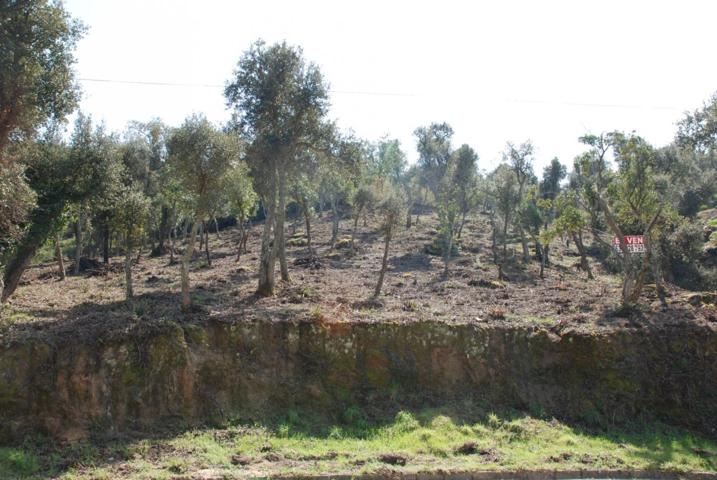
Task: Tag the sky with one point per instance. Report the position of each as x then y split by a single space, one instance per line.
497 71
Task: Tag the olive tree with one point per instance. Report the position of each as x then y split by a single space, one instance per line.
521 162
37 81
438 168
57 179
630 203
278 101
465 181
199 155
242 200
130 218
390 212
504 192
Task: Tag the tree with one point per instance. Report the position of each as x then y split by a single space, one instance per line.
93 149
520 160
553 174
279 101
58 179
438 168
505 194
465 177
37 82
631 203
131 217
389 161
199 155
363 199
570 221
242 200
390 210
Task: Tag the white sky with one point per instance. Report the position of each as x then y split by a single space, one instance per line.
496 71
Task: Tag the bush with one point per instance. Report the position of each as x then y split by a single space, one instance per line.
680 252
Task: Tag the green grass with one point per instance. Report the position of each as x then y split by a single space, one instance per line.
298 443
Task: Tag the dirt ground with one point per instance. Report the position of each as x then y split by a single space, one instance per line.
335 286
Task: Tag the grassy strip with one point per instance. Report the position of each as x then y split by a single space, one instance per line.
428 440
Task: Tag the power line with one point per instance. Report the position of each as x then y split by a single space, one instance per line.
395 94
210 85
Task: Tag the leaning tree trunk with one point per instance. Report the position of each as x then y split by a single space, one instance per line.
41 222
279 234
58 256
462 224
186 258
241 237
384 264
584 264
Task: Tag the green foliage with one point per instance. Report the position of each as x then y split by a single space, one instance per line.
241 198
200 155
36 75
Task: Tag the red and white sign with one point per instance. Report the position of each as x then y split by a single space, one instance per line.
635 243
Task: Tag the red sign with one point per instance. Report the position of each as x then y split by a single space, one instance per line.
635 243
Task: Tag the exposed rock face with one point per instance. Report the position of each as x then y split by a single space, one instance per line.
208 372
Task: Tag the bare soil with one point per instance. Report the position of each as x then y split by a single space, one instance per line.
335 285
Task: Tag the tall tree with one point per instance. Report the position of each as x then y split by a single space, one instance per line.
200 155
520 159
131 217
631 204
37 82
279 101
438 168
57 178
465 178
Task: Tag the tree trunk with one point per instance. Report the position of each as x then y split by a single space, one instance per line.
279 234
524 244
543 260
186 258
164 231
42 222
353 231
584 265
307 220
384 264
172 240
106 244
462 224
206 243
78 239
448 245
216 226
267 259
408 218
201 236
334 222
129 292
58 256
241 238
